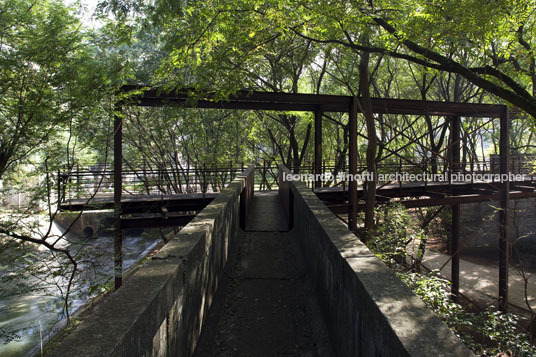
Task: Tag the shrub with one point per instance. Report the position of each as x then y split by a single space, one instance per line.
487 332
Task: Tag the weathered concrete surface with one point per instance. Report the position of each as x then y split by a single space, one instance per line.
265 306
267 215
160 309
88 224
367 309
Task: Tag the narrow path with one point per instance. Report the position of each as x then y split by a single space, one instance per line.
264 306
481 282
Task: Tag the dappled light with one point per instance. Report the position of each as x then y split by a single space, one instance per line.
268 177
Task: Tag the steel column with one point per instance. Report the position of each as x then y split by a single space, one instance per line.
455 263
504 244
118 187
352 123
455 131
318 147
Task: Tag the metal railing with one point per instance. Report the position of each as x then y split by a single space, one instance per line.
97 181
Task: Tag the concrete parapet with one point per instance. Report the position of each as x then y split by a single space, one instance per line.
368 310
160 309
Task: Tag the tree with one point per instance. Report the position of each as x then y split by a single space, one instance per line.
439 35
53 91
227 37
282 69
46 76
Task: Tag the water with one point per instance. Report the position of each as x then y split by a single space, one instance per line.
39 305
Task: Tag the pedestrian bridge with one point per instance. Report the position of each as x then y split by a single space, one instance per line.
262 274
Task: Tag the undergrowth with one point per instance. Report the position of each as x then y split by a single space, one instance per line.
487 333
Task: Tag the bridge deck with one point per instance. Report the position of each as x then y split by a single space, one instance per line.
265 306
421 194
140 202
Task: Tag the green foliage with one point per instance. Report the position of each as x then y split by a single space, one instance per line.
488 332
434 290
168 137
395 229
215 44
49 79
56 81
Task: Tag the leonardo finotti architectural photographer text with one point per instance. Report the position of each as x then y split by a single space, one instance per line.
406 177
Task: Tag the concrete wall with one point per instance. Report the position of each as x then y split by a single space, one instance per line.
159 311
480 225
368 310
88 224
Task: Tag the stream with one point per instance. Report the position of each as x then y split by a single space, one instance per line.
36 313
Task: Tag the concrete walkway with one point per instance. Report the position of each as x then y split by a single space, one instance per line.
481 282
265 306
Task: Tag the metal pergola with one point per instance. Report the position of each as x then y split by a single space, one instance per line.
319 104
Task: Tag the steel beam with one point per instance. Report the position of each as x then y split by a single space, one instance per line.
341 208
152 221
253 100
455 247
504 243
455 131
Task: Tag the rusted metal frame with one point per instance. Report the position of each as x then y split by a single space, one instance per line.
523 188
118 188
419 190
335 103
455 131
170 205
504 242
156 221
192 96
478 190
352 161
318 147
443 193
433 194
447 201
139 174
155 102
381 198
419 107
